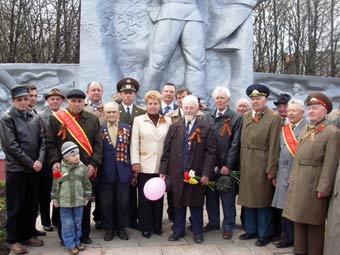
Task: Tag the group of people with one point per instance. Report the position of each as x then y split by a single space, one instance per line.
107 152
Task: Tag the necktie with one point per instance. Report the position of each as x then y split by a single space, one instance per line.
187 128
166 109
219 114
128 112
283 121
113 133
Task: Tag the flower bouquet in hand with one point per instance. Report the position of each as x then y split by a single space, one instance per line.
191 178
227 183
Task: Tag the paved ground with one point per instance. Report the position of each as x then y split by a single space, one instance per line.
159 245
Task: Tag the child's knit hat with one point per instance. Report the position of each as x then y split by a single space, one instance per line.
68 148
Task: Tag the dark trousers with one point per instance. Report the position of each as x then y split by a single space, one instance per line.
45 185
258 221
133 205
196 219
85 224
97 206
308 239
277 223
21 205
287 231
114 199
171 209
228 206
150 212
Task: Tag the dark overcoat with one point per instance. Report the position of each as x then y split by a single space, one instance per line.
90 124
201 159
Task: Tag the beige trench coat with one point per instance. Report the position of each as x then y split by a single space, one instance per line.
260 145
313 171
332 244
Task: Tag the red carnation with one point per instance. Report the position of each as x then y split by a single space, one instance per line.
186 176
56 174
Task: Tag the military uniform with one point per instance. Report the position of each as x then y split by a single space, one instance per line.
260 144
313 174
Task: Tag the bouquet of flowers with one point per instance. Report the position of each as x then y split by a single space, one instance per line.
225 184
191 178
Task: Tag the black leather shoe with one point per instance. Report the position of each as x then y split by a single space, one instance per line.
39 233
146 234
283 244
198 238
86 240
209 227
98 224
121 233
247 236
175 236
48 229
109 235
261 241
159 233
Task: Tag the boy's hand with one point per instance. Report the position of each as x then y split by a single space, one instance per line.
56 204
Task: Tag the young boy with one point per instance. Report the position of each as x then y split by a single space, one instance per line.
71 191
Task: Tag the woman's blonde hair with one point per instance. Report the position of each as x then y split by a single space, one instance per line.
153 94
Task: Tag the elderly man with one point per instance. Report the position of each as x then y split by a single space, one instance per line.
54 100
81 127
115 174
242 106
288 142
94 102
227 128
168 99
282 104
127 88
23 142
260 144
312 177
189 145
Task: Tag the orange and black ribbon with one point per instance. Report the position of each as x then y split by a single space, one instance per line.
196 134
257 117
226 127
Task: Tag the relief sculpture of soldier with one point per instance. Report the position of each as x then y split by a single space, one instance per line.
176 21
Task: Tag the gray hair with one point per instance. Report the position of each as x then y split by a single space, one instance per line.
245 100
298 103
222 89
190 99
111 105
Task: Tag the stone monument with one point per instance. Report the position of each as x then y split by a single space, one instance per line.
200 44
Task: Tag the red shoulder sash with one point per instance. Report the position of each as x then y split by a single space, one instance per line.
289 138
73 127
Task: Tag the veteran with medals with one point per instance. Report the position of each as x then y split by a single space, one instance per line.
288 143
312 177
114 174
189 145
260 145
81 127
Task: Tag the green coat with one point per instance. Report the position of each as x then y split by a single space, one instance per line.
260 145
313 171
73 187
136 111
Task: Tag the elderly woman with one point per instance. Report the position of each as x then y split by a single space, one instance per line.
288 142
115 174
148 135
312 177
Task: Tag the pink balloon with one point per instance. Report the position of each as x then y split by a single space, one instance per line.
154 188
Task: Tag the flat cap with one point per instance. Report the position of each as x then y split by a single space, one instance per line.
19 91
55 92
282 99
257 90
75 93
128 84
319 98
